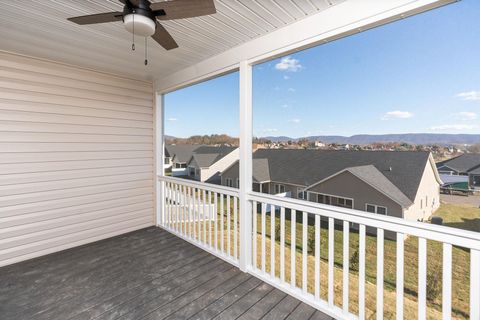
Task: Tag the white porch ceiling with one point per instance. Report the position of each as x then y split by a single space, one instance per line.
39 28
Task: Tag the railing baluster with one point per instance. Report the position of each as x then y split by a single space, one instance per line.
204 216
185 210
222 224
317 256
210 214
474 284
254 235
293 247
229 252
175 199
400 275
304 252
331 234
235 228
361 273
422 278
272 240
167 204
380 241
447 282
188 204
215 218
282 244
199 225
346 269
264 253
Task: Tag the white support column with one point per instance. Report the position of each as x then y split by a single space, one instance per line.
159 156
245 165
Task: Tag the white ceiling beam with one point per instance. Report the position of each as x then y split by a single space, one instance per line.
349 17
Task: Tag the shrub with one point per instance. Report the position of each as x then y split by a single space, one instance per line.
354 261
434 285
277 232
311 240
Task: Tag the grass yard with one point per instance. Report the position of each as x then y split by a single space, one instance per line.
462 216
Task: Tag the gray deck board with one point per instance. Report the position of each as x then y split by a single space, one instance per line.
146 274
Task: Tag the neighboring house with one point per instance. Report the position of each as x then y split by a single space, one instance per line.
206 162
466 165
401 184
178 156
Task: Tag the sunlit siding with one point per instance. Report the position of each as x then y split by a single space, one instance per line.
76 157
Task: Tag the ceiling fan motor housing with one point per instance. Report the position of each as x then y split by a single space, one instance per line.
139 20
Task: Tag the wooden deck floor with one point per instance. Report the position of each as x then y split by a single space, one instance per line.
146 274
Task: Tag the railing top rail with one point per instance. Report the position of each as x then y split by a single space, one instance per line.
202 185
463 238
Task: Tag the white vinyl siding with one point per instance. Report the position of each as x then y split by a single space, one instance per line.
76 157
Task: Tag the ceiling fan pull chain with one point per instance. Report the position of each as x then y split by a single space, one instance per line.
133 33
146 60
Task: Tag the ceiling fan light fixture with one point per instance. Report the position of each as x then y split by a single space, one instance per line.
139 25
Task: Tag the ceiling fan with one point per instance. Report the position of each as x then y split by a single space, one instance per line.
140 17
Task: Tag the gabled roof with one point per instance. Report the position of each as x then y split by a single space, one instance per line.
205 156
370 175
260 170
462 163
182 152
403 169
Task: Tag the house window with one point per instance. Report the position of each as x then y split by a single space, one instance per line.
167 160
238 183
322 198
345 203
279 188
229 182
376 209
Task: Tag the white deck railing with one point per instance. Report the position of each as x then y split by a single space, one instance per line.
284 229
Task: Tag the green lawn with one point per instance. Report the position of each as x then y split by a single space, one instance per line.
460 216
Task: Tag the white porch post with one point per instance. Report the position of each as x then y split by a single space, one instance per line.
245 165
159 156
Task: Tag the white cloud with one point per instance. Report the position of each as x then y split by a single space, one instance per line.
269 130
172 119
284 106
397 115
469 95
289 64
285 77
453 127
291 90
465 115
295 120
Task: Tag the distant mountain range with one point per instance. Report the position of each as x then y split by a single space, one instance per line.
412 138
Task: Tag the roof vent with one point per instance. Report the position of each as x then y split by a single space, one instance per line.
389 168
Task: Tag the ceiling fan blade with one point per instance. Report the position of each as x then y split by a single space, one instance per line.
97 18
180 9
164 38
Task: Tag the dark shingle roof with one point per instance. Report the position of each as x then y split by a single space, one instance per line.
182 152
260 170
205 156
305 167
462 163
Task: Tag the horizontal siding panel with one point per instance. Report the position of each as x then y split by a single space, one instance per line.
78 208
36 65
10 115
69 193
29 229
6 136
67 204
53 175
28 75
95 232
7 104
30 188
17 168
60 147
23 126
29 86
22 240
87 102
76 157
78 240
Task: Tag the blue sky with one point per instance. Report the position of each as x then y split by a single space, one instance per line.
421 74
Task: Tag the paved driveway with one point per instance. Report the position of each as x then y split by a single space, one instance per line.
456 199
